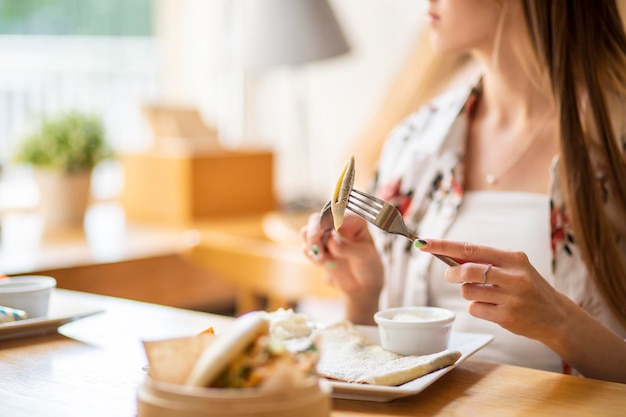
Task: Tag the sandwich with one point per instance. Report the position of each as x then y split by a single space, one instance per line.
247 356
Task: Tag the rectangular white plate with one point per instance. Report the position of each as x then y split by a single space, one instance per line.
59 314
466 343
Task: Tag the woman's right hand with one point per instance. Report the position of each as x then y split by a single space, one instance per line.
350 262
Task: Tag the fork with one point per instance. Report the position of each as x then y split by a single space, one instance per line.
385 216
326 223
326 218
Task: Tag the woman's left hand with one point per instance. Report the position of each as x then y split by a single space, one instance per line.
510 292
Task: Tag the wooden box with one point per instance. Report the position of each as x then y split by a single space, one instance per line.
183 188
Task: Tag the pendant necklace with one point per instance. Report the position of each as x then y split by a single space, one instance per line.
492 178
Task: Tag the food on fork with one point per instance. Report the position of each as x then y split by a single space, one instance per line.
339 202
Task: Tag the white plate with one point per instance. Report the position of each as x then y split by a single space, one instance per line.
466 343
59 314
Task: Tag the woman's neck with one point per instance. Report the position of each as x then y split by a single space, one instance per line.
512 98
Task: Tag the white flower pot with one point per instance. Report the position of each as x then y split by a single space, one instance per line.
63 198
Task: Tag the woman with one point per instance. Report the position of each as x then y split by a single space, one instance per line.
528 165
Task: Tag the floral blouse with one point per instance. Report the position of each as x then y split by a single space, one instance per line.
421 172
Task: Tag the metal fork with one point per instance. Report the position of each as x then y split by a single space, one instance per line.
384 216
326 223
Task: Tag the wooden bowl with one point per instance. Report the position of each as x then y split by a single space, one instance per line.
161 399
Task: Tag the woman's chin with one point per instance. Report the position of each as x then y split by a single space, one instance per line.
441 46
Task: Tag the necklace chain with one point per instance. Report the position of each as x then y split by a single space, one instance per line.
493 178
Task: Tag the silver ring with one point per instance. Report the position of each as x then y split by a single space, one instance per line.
487 268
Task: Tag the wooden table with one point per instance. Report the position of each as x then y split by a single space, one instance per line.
268 273
205 265
94 367
109 255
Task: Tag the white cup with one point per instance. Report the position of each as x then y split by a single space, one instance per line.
30 293
414 330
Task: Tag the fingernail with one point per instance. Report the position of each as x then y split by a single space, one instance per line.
331 265
315 249
420 243
315 254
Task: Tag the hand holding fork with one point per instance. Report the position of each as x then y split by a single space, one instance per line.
377 212
385 216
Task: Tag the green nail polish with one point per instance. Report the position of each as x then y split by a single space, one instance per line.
331 265
315 249
420 243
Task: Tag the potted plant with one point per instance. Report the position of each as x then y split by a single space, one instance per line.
63 151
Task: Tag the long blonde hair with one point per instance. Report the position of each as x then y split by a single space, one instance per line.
583 46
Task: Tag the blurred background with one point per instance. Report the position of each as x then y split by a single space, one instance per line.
229 121
114 57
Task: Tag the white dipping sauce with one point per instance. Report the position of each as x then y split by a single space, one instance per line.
412 316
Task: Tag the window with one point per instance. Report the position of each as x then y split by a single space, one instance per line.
76 17
97 56
91 55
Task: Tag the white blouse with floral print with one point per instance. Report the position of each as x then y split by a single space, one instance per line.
421 172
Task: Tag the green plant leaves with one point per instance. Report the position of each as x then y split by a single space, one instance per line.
71 142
